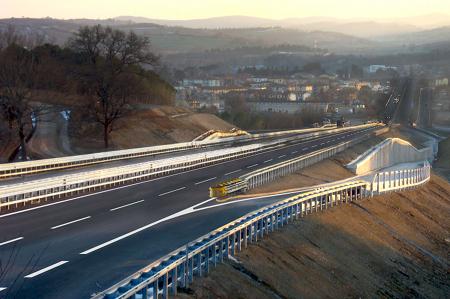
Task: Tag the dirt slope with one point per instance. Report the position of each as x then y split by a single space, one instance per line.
442 164
146 127
395 246
56 136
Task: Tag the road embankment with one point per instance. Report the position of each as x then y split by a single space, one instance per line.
392 246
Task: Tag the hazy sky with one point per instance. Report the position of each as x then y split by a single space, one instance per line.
188 9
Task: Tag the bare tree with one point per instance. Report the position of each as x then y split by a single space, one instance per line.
17 76
112 64
11 36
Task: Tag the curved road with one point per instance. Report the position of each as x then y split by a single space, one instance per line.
73 248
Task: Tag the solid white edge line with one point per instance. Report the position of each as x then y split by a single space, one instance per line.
172 191
39 272
207 180
10 241
127 205
182 213
71 222
178 214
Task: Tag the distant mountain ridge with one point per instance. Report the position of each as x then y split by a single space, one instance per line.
358 27
167 40
177 39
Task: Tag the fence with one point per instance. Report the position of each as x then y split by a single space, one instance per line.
401 179
31 167
195 259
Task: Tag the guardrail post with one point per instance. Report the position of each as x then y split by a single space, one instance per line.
199 264
207 250
174 281
233 244
262 225
165 290
255 231
239 240
144 292
221 243
276 220
245 236
227 245
191 269
214 252
155 289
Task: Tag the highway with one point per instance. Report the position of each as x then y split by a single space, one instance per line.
75 247
424 110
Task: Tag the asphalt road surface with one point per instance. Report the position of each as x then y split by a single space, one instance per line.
74 248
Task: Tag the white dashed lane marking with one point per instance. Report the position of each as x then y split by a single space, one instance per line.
11 241
228 173
172 191
71 222
204 181
34 274
130 204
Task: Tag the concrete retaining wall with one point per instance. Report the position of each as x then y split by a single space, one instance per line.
388 153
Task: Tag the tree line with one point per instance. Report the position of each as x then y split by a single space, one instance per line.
107 68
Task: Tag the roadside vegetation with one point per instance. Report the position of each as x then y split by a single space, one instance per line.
99 74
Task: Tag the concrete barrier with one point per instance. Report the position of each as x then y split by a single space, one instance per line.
388 153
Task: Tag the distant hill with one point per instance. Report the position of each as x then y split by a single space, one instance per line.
208 23
358 27
320 33
418 39
167 39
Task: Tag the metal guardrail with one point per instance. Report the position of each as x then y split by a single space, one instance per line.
196 258
178 268
270 173
37 166
401 179
73 184
28 167
68 185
